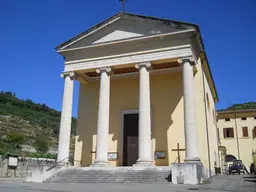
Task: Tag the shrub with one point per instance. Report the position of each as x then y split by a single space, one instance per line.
41 145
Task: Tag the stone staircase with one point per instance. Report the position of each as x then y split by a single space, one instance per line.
112 175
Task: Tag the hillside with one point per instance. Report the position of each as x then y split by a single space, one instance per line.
248 105
28 126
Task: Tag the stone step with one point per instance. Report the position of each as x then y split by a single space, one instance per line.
112 175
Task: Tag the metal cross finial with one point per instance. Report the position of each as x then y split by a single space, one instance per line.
122 1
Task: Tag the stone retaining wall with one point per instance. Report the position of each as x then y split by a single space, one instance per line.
24 167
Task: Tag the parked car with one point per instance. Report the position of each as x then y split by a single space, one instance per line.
236 167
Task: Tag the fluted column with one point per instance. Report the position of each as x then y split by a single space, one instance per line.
66 117
103 118
145 145
189 110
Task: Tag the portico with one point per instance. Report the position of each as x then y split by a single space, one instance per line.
152 69
145 144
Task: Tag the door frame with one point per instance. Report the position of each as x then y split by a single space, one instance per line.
121 143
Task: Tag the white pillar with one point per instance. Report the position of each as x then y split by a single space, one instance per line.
103 118
145 145
189 111
66 117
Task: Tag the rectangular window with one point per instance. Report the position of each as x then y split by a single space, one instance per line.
228 133
227 119
245 131
243 118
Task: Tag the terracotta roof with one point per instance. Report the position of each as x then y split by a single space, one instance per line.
236 111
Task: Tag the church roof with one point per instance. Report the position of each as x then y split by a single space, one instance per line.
171 23
179 24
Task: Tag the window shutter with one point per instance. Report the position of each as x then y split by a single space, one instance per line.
232 132
254 132
245 132
225 133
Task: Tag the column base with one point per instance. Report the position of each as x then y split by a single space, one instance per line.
140 163
100 164
192 160
187 173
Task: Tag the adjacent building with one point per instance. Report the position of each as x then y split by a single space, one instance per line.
237 132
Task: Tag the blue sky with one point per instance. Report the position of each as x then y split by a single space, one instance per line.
30 30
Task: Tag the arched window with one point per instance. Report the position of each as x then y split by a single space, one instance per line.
230 158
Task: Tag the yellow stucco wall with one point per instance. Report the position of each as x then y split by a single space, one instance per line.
201 120
246 144
167 117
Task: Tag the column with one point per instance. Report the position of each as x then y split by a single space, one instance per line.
103 118
189 110
66 117
145 145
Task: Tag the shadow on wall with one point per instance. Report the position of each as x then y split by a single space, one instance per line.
165 97
166 94
87 123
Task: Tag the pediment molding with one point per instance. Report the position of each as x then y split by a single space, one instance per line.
124 26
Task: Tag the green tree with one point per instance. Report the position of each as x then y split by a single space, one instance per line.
41 145
15 139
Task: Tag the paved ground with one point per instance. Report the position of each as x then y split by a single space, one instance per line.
234 183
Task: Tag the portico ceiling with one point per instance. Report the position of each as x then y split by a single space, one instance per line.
126 69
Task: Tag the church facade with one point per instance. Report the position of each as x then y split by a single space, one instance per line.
146 96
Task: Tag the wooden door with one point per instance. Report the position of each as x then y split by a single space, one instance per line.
132 150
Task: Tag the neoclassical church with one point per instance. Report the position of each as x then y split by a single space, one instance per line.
146 98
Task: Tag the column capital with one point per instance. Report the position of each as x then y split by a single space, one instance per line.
147 65
183 60
104 70
70 74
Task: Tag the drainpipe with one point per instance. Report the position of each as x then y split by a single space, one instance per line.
237 142
206 123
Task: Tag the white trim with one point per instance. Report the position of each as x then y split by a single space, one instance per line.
89 33
167 53
126 40
122 113
130 54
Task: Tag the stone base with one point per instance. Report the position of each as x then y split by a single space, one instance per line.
143 164
100 164
40 173
187 173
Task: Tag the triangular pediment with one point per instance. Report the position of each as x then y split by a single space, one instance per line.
124 26
118 35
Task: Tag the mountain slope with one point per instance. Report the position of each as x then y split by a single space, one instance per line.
27 121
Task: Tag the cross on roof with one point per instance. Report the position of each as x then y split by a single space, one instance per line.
123 2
